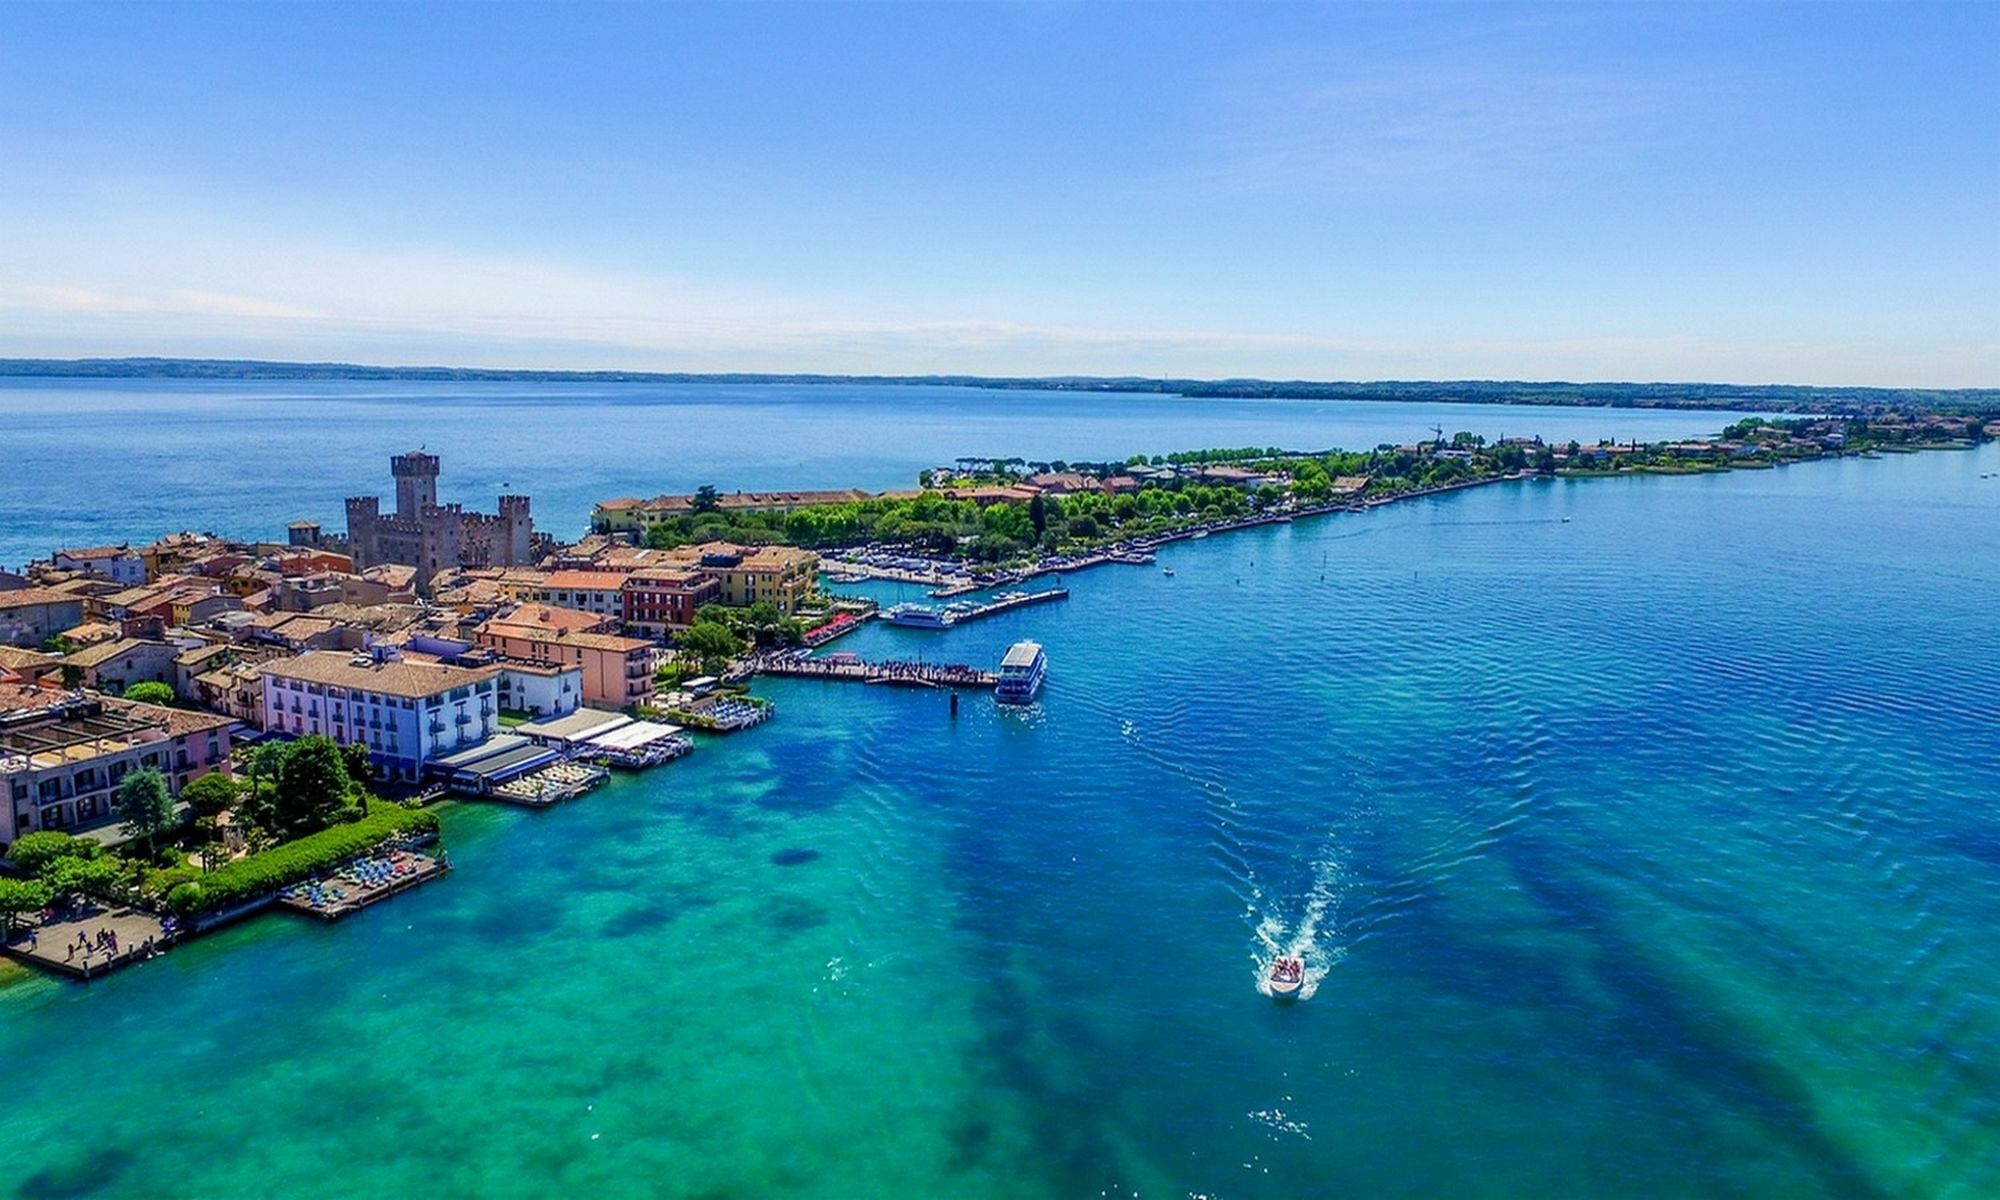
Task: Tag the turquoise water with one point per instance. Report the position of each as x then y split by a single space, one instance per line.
1650 853
84 462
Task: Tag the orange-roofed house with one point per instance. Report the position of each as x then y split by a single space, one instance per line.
617 671
599 592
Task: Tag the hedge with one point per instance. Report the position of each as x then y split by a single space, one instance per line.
260 874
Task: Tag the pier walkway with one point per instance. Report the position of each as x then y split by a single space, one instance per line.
857 670
90 940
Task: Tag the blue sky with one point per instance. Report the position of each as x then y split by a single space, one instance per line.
1738 192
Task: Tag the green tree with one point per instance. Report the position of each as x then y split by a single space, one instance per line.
19 896
143 805
36 852
313 786
149 691
212 794
85 876
716 614
359 767
712 643
706 500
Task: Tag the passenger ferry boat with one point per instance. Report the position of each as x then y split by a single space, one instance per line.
1021 673
1286 975
920 616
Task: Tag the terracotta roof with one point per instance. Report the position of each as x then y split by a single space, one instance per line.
338 669
26 660
548 616
553 637
92 632
179 722
31 597
104 652
86 553
607 581
188 658
754 558
15 697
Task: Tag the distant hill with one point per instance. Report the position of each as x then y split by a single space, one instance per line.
1767 397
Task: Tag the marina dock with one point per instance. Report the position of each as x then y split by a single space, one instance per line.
922 616
857 670
1009 602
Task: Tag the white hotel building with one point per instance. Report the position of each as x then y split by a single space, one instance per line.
406 713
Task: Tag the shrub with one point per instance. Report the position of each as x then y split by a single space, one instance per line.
260 874
158 883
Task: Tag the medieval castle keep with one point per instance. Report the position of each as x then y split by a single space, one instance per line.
433 537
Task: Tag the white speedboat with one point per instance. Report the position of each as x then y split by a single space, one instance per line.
1284 977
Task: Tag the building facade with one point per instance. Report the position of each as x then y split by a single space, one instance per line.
784 575
119 564
432 537
406 713
63 755
541 689
31 616
599 592
657 602
617 671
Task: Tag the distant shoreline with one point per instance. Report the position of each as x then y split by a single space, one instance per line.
1684 396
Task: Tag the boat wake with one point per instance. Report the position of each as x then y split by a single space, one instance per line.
1308 930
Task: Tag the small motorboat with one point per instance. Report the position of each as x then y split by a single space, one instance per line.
1167 571
1285 976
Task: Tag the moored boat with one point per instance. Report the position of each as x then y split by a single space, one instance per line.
1284 977
1021 673
920 616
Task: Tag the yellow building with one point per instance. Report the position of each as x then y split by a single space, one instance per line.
784 575
617 516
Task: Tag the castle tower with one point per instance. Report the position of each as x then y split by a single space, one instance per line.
362 513
416 483
518 531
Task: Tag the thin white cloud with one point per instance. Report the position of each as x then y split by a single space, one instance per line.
198 287
1464 113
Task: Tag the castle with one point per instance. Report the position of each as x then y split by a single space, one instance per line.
433 537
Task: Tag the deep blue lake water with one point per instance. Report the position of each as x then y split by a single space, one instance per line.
1640 834
83 462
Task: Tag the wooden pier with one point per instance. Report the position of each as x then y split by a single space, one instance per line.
893 673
